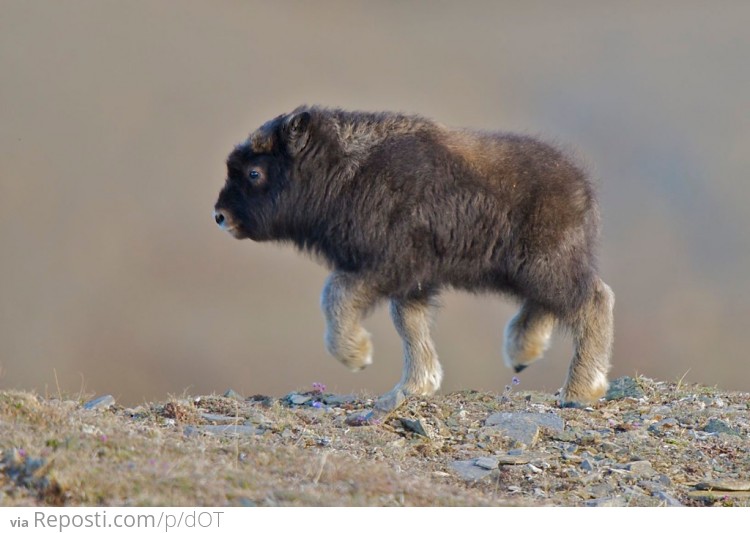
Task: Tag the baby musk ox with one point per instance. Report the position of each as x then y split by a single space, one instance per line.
401 207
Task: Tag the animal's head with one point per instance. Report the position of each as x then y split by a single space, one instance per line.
260 173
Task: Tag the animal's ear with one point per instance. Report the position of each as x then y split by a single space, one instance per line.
298 122
297 129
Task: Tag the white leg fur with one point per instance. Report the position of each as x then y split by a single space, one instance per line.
593 330
422 373
345 301
527 336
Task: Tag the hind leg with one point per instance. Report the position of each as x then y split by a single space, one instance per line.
527 336
345 301
593 330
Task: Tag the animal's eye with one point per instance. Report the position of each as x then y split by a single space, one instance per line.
254 175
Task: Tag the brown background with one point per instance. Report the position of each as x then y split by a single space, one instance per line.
116 117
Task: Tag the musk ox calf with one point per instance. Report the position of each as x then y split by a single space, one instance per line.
401 207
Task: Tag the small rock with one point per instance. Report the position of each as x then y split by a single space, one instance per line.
262 399
488 463
590 437
664 480
415 426
670 500
523 427
719 426
567 436
234 395
640 468
223 430
469 471
611 448
624 387
298 399
534 469
100 403
586 465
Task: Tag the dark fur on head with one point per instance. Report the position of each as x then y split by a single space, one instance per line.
400 207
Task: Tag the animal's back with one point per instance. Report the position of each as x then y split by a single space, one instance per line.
477 210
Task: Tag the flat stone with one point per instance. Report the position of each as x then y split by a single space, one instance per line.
212 417
600 490
719 426
299 399
624 387
100 403
339 399
725 484
524 427
713 495
509 459
469 471
488 463
640 468
227 430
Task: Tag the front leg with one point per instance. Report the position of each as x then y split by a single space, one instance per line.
422 372
345 301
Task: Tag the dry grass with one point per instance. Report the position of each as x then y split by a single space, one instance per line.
57 452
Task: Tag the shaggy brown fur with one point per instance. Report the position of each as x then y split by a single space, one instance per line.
401 207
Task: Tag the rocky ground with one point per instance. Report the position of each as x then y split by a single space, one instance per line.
649 444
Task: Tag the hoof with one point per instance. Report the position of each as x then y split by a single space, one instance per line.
520 368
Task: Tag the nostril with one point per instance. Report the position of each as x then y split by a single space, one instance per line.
219 218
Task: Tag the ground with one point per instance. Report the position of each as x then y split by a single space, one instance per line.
649 444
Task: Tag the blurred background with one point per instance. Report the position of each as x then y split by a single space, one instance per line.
116 118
